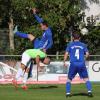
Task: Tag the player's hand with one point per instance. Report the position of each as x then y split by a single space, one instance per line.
34 10
65 65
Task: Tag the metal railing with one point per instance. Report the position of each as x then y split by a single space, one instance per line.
53 57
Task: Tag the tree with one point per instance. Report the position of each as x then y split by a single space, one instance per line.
60 14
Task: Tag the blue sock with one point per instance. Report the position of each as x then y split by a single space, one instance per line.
89 86
68 87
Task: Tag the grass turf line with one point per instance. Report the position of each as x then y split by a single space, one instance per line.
47 92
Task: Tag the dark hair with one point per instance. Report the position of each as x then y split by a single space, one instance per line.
76 35
45 23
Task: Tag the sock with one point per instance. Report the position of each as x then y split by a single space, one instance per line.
25 78
68 87
19 73
15 29
30 70
89 86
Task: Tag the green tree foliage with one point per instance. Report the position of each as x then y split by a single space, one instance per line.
93 40
60 14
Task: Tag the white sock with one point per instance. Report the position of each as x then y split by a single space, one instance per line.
67 93
89 91
19 73
25 78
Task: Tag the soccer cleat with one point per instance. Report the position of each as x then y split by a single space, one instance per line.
14 82
15 29
90 94
24 87
68 95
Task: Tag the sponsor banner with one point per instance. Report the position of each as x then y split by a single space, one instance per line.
94 71
55 73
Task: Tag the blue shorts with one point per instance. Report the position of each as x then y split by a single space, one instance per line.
77 67
36 43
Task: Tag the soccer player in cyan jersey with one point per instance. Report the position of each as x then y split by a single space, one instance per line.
78 52
31 54
46 40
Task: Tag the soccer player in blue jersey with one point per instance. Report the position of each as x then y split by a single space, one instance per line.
46 40
78 52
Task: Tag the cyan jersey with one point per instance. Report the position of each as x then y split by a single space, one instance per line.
76 51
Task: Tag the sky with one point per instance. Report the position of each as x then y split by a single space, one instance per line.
94 9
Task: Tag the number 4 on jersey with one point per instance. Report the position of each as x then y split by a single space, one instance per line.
77 54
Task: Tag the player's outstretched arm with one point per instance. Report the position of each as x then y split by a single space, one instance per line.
65 58
39 19
38 62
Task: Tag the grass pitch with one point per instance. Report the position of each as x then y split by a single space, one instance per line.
47 92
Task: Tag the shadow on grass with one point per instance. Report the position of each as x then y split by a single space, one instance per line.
80 94
44 87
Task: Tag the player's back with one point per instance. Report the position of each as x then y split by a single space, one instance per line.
46 38
77 51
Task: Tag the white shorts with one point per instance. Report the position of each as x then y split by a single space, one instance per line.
25 59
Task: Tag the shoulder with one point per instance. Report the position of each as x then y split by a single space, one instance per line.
70 44
48 31
83 44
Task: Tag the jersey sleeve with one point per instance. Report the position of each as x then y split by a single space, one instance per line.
85 48
40 20
68 48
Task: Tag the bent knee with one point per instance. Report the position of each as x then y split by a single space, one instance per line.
27 70
22 66
86 79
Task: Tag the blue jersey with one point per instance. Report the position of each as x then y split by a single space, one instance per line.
76 51
46 41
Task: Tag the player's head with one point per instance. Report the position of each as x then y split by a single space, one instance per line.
76 36
46 60
44 25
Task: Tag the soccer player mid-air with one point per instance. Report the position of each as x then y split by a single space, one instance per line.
46 40
28 56
78 53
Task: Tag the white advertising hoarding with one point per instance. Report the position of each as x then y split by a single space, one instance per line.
94 71
55 73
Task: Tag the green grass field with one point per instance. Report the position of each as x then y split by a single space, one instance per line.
47 92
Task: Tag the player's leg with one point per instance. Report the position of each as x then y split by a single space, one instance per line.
84 74
68 87
20 72
88 86
25 76
23 35
30 70
25 59
71 74
18 75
